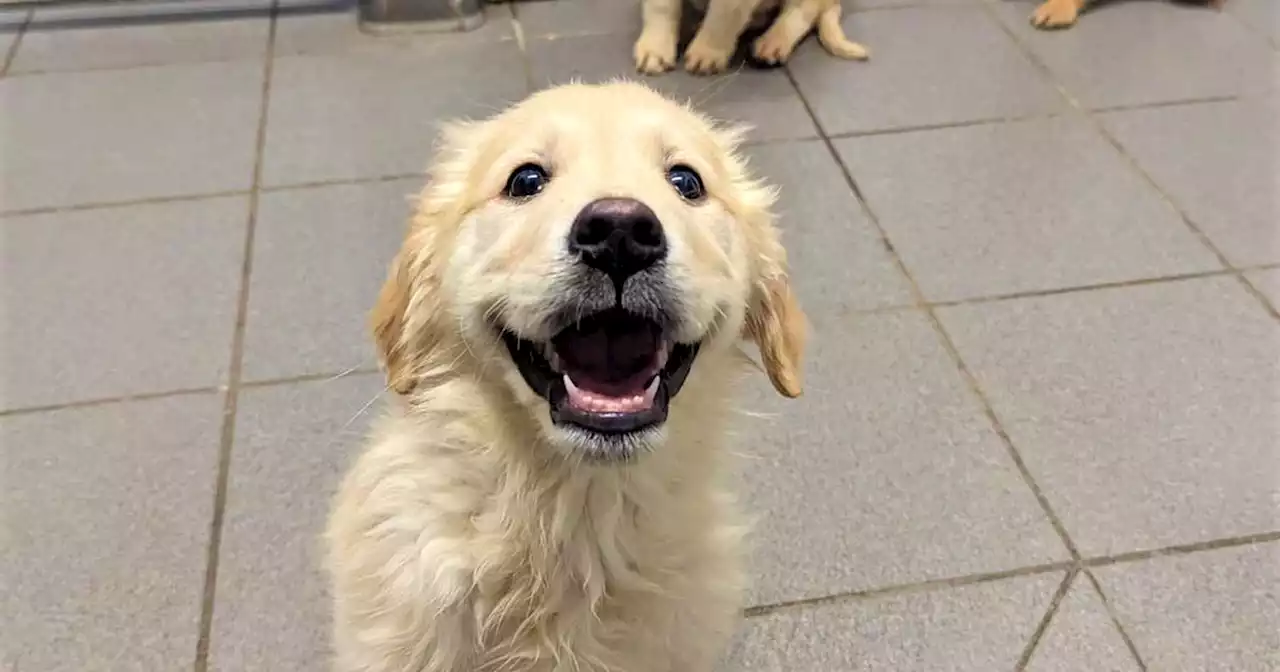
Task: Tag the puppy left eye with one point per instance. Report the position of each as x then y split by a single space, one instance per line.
687 182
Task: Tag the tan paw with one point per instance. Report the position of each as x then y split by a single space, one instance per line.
1055 14
655 54
773 47
703 59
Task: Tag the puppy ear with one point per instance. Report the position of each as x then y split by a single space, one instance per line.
779 329
388 318
407 318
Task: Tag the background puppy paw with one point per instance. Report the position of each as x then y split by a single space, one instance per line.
655 55
703 59
1055 14
773 47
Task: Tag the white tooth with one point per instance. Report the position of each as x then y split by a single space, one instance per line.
554 360
663 353
651 391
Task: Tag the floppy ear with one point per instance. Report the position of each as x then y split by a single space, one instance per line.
406 319
388 319
779 329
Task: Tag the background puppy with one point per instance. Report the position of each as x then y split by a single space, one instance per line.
1063 13
561 327
724 22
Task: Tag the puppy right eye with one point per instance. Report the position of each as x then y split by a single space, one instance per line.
526 181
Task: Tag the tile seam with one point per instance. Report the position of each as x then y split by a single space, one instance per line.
1055 603
235 368
1112 614
12 52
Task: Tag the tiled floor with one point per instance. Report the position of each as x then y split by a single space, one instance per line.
1042 429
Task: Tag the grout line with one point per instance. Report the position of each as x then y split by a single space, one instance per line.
180 198
1043 626
106 401
104 205
1205 100
1258 294
1106 134
342 181
906 588
310 378
1183 549
188 391
920 302
989 121
1115 620
12 53
1078 289
236 365
522 45
1071 566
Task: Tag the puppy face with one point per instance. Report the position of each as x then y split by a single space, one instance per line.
587 248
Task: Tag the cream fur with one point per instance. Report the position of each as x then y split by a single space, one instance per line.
470 536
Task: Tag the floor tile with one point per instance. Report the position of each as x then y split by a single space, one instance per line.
107 514
838 262
187 129
320 256
293 443
381 109
1027 206
1143 412
885 472
1215 610
305 31
118 301
1131 53
569 18
1267 282
1262 16
73 40
1081 637
765 99
928 66
1218 162
973 628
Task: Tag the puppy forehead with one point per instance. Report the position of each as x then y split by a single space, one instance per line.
620 118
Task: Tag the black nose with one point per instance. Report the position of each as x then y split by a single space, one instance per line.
620 236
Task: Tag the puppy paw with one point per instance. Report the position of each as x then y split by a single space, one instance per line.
703 59
655 54
1055 14
773 47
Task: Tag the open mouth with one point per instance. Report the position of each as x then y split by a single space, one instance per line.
611 373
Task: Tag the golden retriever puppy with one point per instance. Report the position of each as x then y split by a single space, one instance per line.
562 330
724 21
1052 14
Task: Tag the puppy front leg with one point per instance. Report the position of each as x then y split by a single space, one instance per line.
717 38
655 51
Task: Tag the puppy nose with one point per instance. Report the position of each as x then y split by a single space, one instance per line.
620 236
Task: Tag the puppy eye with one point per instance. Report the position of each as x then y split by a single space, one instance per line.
687 182
526 181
